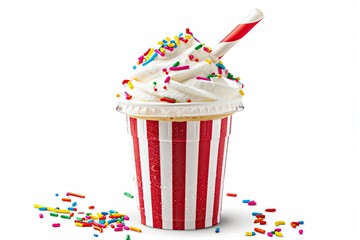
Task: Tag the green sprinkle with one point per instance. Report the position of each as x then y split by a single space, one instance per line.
79 219
176 64
65 216
126 193
198 46
128 237
154 83
54 214
88 214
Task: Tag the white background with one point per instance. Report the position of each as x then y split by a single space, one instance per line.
293 147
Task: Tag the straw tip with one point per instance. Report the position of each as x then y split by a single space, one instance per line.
258 14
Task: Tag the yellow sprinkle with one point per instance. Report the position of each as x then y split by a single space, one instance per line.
242 94
209 49
277 223
149 54
248 234
94 217
131 86
160 42
187 36
78 224
168 39
162 50
220 62
106 223
279 234
177 40
208 61
171 45
62 211
118 95
99 215
38 206
219 75
117 214
51 209
238 78
135 229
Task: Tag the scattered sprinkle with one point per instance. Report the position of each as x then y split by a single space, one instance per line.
179 68
128 195
217 230
231 194
203 78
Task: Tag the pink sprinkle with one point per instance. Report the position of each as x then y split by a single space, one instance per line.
160 53
191 57
278 229
252 203
179 68
141 58
301 231
164 69
56 224
203 78
120 225
41 216
87 217
206 49
167 79
270 234
219 70
126 228
126 217
169 48
118 229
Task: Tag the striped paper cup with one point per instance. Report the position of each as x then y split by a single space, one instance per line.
179 170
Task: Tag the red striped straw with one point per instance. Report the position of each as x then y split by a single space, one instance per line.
239 32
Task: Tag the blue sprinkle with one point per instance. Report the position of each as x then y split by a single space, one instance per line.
255 213
90 221
102 221
112 211
56 194
180 35
150 59
245 201
220 65
57 208
217 230
95 235
71 208
164 41
112 220
301 222
104 213
43 209
134 67
74 204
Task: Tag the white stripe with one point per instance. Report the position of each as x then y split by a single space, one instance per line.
222 48
145 173
192 153
165 139
214 147
223 167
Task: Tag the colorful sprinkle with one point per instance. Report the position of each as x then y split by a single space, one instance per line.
231 194
56 224
241 92
169 100
176 64
160 53
277 223
250 233
270 210
252 203
246 201
135 229
41 216
270 234
128 195
203 78
217 230
199 46
179 68
301 231
54 214
75 195
95 235
167 79
279 234
127 237
259 230
208 61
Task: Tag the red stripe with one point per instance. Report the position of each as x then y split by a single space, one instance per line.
134 134
220 160
178 174
240 31
203 169
152 129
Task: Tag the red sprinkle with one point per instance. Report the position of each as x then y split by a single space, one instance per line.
91 207
260 216
231 194
125 81
169 100
191 57
189 100
270 210
165 87
262 222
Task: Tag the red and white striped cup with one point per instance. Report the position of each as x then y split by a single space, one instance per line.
180 170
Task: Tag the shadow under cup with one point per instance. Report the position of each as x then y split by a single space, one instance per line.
179 169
